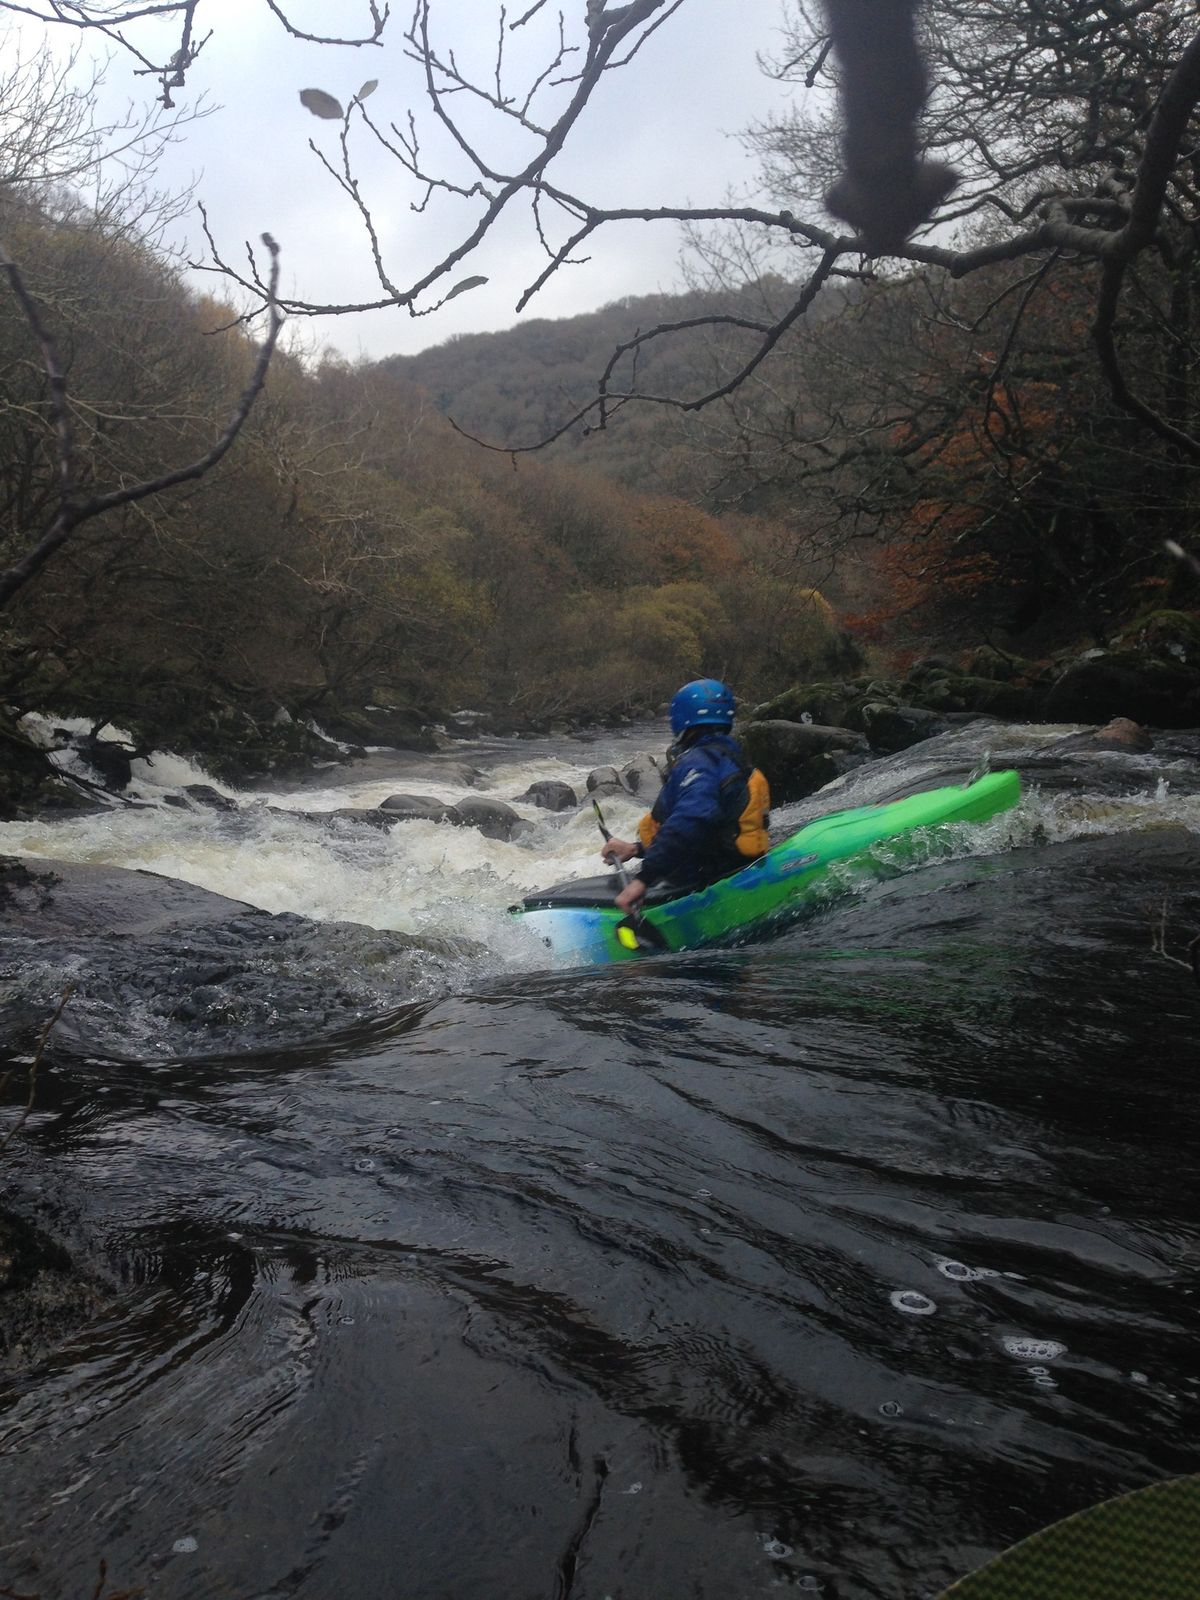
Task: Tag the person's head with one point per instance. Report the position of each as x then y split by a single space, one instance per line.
705 703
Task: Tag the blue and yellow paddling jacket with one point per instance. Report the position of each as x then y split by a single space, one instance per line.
711 816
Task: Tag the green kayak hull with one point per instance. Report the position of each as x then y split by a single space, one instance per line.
835 851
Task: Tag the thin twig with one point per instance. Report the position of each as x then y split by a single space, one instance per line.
33 1071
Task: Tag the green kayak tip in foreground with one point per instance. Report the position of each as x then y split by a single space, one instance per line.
579 923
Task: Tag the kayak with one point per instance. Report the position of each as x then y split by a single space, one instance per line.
579 923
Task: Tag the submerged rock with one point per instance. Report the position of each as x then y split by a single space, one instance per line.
205 795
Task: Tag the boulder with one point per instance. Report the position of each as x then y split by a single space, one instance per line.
891 728
414 807
109 758
643 775
493 818
958 691
604 780
986 661
931 667
1168 635
1124 683
1119 734
824 703
1016 702
399 727
550 795
800 758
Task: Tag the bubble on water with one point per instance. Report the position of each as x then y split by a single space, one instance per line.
1046 1383
234 1238
186 1547
1138 1377
891 1408
913 1302
954 1269
364 1164
811 1584
392 1133
703 1194
961 1273
1038 1372
776 1549
1022 1349
346 1322
634 1488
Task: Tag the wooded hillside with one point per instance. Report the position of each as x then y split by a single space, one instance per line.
353 549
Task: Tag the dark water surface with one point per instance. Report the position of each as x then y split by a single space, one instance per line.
834 1263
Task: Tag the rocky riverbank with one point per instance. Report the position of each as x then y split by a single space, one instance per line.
815 732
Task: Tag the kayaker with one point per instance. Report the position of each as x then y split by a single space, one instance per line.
711 816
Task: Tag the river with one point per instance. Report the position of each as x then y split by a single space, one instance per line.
830 1263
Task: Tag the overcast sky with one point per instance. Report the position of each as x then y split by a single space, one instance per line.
661 131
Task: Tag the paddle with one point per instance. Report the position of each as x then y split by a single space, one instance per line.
635 933
1141 1546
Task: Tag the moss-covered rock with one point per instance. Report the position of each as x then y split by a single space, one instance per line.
1173 635
800 758
1017 702
399 727
824 703
985 661
1126 683
890 728
236 744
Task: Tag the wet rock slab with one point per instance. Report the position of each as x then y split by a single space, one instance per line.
159 967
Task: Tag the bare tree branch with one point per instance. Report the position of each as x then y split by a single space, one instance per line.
72 512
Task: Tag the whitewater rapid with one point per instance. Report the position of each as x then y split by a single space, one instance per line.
432 878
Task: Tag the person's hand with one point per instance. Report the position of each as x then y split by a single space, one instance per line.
630 895
617 850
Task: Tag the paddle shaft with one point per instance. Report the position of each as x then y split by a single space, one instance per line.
607 836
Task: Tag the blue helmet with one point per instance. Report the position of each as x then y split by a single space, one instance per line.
702 704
